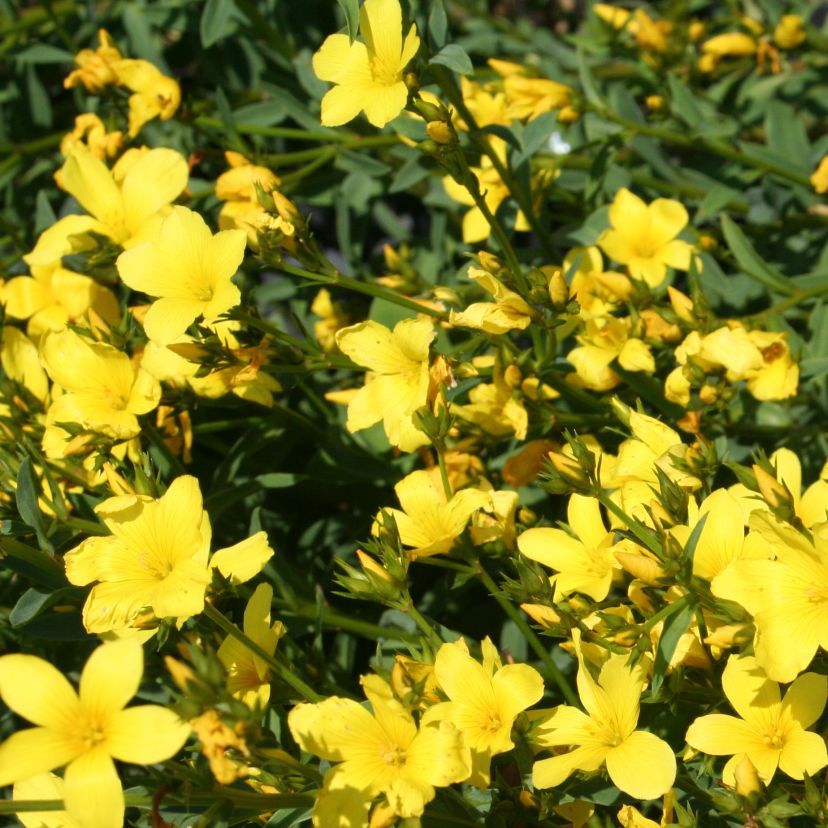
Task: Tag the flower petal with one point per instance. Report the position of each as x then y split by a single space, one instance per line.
94 795
802 753
549 773
146 734
37 691
642 766
111 677
805 699
32 751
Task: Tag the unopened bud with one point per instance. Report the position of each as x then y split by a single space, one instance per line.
440 132
542 615
512 376
654 102
568 114
371 567
682 304
180 672
558 289
640 566
776 494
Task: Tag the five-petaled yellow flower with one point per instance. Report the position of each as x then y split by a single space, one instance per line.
380 753
157 558
85 730
367 76
637 761
644 236
397 384
770 731
189 269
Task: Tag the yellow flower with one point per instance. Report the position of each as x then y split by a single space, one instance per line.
526 98
484 700
155 94
90 133
85 731
248 676
770 731
367 76
819 178
21 363
790 31
429 522
189 269
53 296
761 358
596 290
495 192
643 237
156 558
630 817
95 66
729 44
602 342
584 563
508 312
125 208
332 318
638 762
397 384
486 102
103 390
379 753
787 597
494 408
612 15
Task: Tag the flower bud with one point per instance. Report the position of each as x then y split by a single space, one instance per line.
441 132
542 615
747 779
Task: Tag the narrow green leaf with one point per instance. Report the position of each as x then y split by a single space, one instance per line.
43 53
25 496
675 625
587 81
350 8
437 24
787 136
454 57
750 261
683 103
214 19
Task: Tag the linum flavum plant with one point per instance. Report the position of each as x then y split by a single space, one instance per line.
413 414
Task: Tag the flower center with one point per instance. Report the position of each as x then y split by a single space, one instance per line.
384 74
774 738
394 756
492 723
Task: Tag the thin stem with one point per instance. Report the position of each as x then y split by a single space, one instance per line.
377 291
792 301
339 621
419 619
532 639
283 672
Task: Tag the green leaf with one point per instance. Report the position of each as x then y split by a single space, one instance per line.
350 8
44 53
437 24
787 136
411 173
454 57
278 480
587 81
214 19
39 103
675 625
536 135
25 496
683 103
750 261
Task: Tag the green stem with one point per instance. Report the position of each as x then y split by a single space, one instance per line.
339 621
524 200
679 139
283 672
419 619
531 637
792 301
377 291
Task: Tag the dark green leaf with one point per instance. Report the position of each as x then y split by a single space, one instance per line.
684 105
214 19
350 9
750 261
675 625
454 57
437 24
